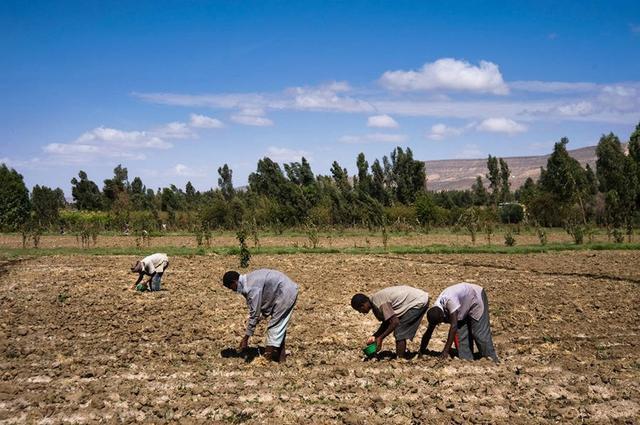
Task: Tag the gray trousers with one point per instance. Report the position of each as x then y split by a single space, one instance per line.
470 330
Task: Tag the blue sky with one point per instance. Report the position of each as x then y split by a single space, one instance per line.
173 90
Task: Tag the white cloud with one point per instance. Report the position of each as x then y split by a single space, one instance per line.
448 74
253 117
501 125
286 155
185 171
553 86
635 28
552 36
203 121
328 97
575 109
126 139
104 142
79 153
223 101
374 138
614 103
382 121
174 130
441 131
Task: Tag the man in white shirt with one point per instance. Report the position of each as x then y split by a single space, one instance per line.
466 308
153 266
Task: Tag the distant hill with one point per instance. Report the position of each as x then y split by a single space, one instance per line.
460 174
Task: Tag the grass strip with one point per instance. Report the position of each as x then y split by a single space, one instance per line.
284 250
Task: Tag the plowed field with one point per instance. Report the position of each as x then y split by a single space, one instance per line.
77 345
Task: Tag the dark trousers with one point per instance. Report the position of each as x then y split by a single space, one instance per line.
478 331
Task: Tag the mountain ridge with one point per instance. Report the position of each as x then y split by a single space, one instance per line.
460 174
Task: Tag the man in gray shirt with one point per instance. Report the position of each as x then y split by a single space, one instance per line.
399 308
268 293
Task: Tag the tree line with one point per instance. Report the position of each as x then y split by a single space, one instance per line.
391 191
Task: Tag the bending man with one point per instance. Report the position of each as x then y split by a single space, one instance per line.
153 266
466 308
268 293
399 308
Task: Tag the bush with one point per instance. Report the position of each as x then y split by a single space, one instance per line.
509 240
400 213
511 213
244 254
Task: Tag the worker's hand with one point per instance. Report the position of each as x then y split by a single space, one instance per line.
444 355
244 343
378 344
371 339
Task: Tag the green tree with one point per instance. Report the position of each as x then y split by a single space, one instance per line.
634 154
225 182
493 175
141 198
299 173
46 204
634 144
86 193
479 192
378 184
618 178
14 199
409 176
268 180
340 177
505 184
566 181
365 182
117 185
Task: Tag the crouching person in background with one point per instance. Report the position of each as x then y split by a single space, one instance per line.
153 266
269 293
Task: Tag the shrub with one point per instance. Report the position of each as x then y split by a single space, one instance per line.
509 240
244 254
511 213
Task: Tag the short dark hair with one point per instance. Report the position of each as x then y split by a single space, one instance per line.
435 315
230 277
358 301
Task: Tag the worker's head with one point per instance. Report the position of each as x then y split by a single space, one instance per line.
137 267
230 280
435 315
361 302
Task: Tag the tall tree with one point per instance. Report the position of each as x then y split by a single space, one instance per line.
479 192
364 178
378 184
14 199
46 203
634 154
225 182
300 173
505 184
117 185
86 193
493 175
306 175
634 145
618 178
409 176
340 177
566 181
